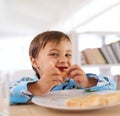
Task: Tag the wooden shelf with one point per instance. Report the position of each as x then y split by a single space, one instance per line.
100 65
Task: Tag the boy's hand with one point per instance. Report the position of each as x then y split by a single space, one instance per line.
78 75
50 78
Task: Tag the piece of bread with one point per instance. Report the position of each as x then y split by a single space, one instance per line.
112 97
85 101
93 100
64 74
76 101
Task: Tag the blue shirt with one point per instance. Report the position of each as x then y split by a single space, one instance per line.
20 94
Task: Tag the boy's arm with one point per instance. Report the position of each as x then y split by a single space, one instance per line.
19 92
104 82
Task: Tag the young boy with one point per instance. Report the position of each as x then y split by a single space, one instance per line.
51 58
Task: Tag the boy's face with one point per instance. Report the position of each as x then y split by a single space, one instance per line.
58 54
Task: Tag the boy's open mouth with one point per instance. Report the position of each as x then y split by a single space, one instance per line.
62 69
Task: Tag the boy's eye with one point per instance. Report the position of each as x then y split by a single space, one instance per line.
54 54
68 55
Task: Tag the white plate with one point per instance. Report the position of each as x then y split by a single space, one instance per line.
56 100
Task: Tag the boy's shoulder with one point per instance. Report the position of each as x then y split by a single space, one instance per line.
34 78
24 79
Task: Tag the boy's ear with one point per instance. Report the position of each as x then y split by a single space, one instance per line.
33 62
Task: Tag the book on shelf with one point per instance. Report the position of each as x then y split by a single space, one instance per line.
82 59
107 54
93 56
87 53
116 49
111 54
98 56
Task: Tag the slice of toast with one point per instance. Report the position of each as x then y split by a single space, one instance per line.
93 100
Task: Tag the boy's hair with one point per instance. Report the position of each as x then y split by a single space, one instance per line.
42 39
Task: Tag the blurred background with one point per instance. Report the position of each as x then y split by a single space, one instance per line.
96 22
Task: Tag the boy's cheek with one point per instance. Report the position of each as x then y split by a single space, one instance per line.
50 66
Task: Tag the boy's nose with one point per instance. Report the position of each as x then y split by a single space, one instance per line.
62 59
